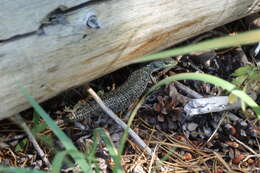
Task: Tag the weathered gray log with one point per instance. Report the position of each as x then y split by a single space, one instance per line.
47 47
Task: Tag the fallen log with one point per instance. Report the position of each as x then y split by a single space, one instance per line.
50 46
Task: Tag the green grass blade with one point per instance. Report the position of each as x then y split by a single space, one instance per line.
58 159
36 118
91 151
218 43
215 81
37 125
111 149
59 133
11 169
205 78
130 120
124 137
37 128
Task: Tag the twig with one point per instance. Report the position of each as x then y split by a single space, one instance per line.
153 159
14 156
207 35
215 131
244 145
20 121
257 49
187 90
112 115
223 161
257 143
12 138
250 156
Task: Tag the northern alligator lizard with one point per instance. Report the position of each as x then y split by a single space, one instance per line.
121 98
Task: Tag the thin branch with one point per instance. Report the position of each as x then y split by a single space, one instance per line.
112 115
215 131
251 156
244 145
20 121
154 157
222 161
187 90
16 137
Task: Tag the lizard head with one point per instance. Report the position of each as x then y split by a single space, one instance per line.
160 64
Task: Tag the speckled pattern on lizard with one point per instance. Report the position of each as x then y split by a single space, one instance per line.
121 98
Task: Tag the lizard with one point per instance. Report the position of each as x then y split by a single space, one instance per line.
121 98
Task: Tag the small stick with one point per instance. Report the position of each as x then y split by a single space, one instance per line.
244 145
154 157
20 121
112 115
250 156
215 131
222 161
187 90
12 138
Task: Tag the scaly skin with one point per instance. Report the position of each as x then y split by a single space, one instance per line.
121 98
